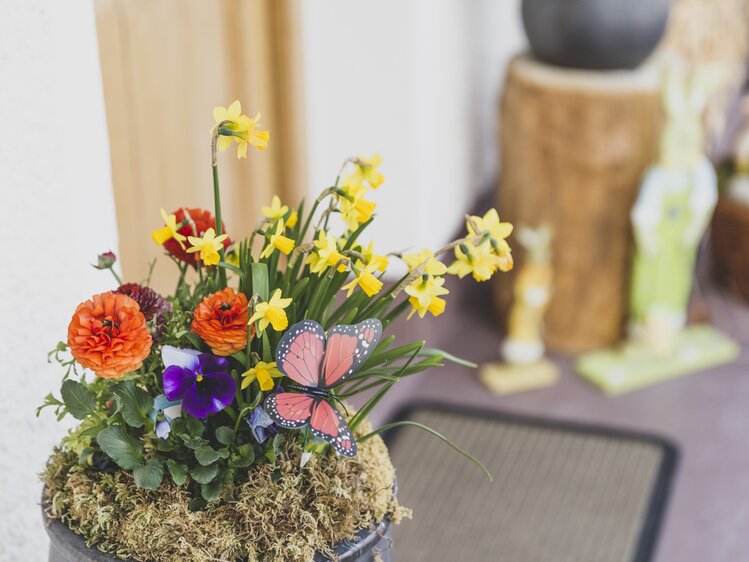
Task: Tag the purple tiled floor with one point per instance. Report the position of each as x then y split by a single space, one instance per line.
706 414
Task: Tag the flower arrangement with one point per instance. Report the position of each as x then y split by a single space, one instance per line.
262 340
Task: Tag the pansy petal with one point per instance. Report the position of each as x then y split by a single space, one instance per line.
197 404
259 422
163 429
186 358
177 381
222 387
174 411
171 408
210 363
214 393
161 403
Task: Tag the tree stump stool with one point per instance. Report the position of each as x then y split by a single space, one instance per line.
574 146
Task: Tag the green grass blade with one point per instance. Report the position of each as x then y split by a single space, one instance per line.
431 352
437 434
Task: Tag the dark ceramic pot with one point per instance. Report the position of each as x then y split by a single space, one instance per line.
66 546
594 34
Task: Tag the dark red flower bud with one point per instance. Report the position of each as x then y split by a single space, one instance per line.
105 260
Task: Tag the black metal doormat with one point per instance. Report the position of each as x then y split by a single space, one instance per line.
561 493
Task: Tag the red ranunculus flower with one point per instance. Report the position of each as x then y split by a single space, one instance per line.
198 221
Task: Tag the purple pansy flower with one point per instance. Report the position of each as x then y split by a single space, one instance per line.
261 424
170 409
198 379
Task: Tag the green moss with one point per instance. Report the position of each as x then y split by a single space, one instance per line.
307 510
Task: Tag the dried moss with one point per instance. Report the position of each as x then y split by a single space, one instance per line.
307 510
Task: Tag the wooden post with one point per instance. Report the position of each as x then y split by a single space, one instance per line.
574 146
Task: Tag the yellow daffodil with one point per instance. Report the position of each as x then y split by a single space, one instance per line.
272 312
264 373
424 295
478 260
278 241
490 223
168 231
354 208
370 258
366 170
276 210
504 254
242 129
433 265
364 279
325 255
292 220
208 246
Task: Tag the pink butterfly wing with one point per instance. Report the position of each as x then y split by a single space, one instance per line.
300 352
348 347
289 409
328 424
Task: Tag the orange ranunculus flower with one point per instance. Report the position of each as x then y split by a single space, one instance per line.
108 334
221 321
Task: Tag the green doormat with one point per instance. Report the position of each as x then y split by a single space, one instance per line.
561 492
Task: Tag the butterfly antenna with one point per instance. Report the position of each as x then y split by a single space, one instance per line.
341 403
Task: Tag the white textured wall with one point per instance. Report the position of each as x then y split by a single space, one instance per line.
56 210
416 80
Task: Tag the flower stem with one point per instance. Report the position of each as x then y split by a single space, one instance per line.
217 201
117 277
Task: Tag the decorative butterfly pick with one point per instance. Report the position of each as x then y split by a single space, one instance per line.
317 362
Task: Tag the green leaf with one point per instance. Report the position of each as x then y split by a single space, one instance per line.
204 474
196 504
207 455
393 354
278 440
178 426
83 457
193 338
149 475
164 445
212 490
260 284
134 403
430 352
240 356
78 399
92 431
225 435
246 456
231 267
267 351
276 475
122 448
299 288
193 442
194 426
178 471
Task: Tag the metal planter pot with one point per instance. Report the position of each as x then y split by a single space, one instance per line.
594 34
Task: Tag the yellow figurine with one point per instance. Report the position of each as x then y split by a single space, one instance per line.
532 292
523 351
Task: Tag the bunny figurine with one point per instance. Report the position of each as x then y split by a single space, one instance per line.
532 292
672 211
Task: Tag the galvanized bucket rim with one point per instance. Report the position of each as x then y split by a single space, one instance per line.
68 541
